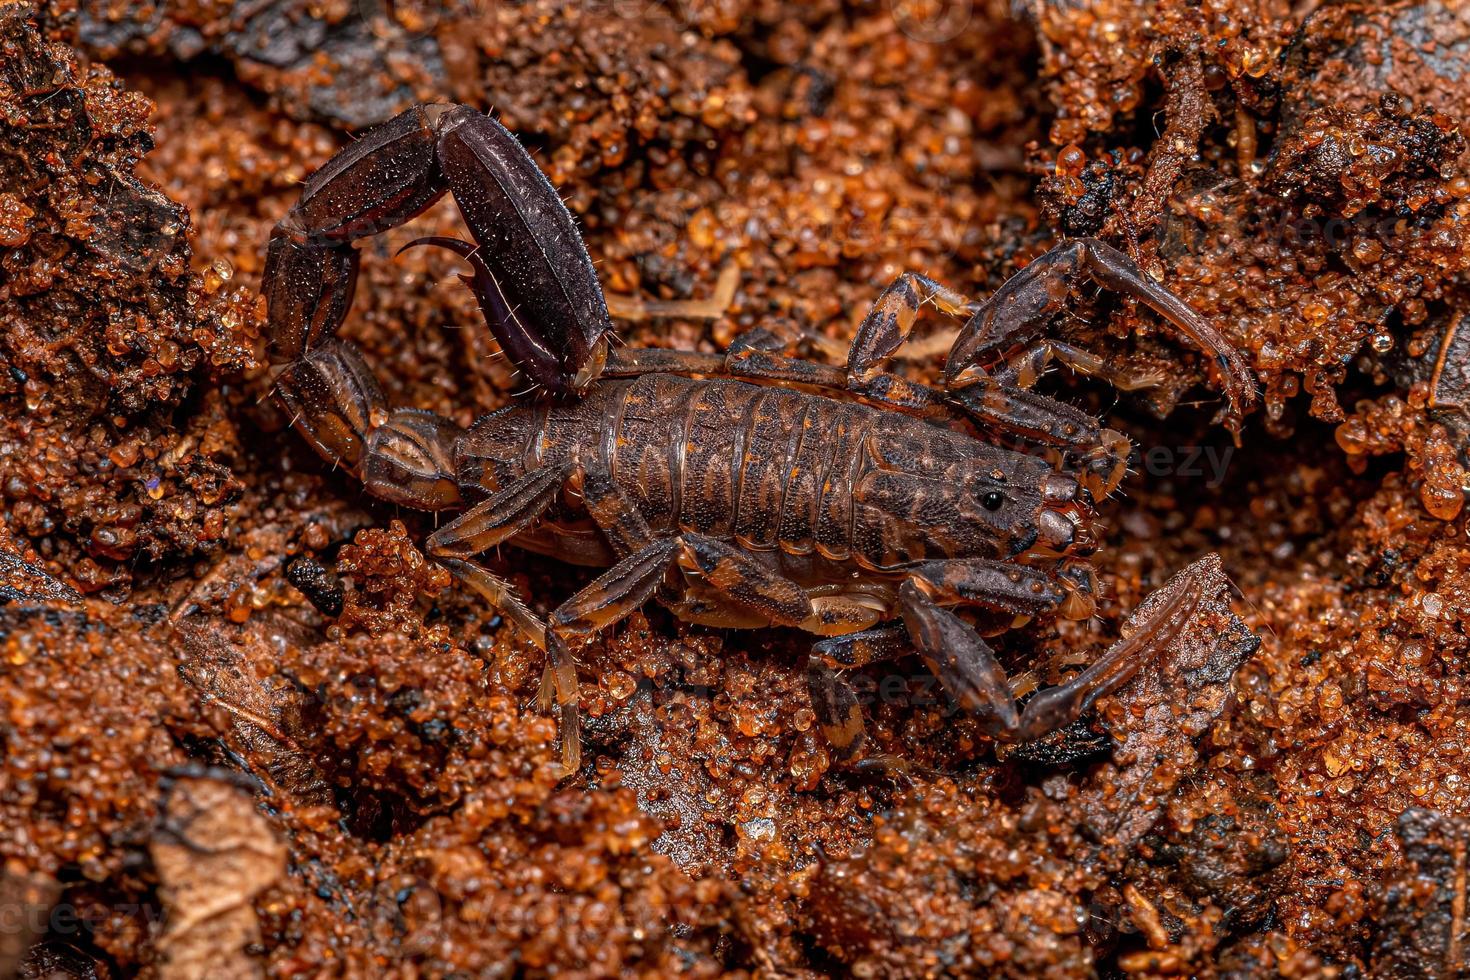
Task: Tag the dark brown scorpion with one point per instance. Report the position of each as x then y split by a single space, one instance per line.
765 490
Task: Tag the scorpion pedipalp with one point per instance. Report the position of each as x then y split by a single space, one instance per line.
1016 313
742 490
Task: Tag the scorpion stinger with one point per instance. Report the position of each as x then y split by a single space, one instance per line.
785 493
543 304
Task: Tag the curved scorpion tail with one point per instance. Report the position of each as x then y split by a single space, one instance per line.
531 272
378 182
524 346
531 248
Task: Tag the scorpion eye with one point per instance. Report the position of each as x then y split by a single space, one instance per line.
994 500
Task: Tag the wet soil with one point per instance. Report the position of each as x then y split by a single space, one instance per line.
246 724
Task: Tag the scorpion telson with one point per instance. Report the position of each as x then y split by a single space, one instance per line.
747 489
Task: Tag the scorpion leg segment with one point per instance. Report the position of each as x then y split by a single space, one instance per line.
1102 454
501 516
498 592
745 586
836 706
1020 309
752 363
961 659
632 362
1026 368
760 365
559 682
884 330
562 671
529 245
967 666
864 647
889 323
504 514
742 583
1057 707
1002 586
834 702
617 592
619 518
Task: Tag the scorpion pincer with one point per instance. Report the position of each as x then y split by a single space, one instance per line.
746 489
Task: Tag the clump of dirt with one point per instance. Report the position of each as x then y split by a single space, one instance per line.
194 607
109 455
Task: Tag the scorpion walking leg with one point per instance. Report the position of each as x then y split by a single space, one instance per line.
500 595
999 407
882 332
500 517
741 582
1101 454
1000 586
835 703
1026 368
839 713
743 361
625 587
885 329
968 668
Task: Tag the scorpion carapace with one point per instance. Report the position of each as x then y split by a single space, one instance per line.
746 489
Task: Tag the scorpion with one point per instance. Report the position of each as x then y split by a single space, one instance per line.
746 489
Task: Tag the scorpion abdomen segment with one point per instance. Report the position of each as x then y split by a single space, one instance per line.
647 434
771 429
708 478
832 534
805 463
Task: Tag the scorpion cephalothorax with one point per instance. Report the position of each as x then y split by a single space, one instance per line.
774 491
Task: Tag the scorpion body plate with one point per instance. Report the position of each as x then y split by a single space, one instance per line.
863 514
813 482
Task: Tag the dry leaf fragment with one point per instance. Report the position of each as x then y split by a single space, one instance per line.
214 853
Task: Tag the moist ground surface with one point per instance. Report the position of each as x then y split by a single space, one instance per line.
246 724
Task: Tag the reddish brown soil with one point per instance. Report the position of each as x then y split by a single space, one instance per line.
196 615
